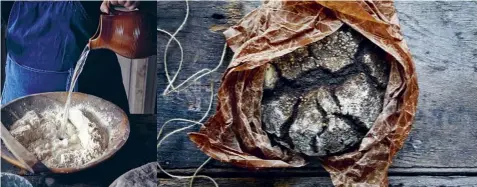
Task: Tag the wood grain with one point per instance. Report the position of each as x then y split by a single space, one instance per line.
315 172
395 181
203 43
202 49
442 37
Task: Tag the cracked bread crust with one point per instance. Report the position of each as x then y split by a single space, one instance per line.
322 99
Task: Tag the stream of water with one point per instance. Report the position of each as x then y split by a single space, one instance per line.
74 79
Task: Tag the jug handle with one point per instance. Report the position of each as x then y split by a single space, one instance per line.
95 41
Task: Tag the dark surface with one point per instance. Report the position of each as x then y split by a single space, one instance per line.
440 150
3 52
144 176
395 181
138 150
320 119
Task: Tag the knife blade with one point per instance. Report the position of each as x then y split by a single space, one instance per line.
25 157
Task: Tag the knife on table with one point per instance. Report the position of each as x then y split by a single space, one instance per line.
24 157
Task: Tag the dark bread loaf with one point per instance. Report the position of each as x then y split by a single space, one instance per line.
322 99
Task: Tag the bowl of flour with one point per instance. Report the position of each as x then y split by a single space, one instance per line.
95 130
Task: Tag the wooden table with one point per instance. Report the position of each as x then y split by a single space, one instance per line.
442 147
138 150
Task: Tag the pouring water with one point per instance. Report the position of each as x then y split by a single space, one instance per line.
137 41
74 79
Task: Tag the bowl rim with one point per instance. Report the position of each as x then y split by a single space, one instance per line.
94 162
17 176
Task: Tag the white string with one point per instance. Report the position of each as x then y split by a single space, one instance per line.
193 78
185 84
181 129
173 36
170 82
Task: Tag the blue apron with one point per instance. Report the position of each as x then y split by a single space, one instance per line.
44 40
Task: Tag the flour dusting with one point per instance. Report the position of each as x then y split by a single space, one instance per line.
62 145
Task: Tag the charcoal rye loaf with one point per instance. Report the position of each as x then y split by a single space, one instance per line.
321 100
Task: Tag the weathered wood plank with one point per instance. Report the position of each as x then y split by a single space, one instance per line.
441 35
203 42
315 172
203 46
394 181
138 150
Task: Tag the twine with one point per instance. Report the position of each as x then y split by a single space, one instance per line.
194 77
199 122
182 86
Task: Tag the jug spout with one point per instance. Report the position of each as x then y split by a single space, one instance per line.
94 42
129 34
101 38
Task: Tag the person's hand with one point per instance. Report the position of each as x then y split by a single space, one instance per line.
107 5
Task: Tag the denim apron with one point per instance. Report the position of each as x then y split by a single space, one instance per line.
44 40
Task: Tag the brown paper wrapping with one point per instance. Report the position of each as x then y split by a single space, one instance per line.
234 134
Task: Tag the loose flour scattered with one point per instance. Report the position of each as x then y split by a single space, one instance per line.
71 145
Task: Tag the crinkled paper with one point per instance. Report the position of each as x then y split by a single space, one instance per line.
235 135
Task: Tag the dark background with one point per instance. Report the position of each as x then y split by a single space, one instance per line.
139 149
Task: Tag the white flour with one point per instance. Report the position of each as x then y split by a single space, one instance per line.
71 145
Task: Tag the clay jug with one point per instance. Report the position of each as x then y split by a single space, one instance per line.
130 34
